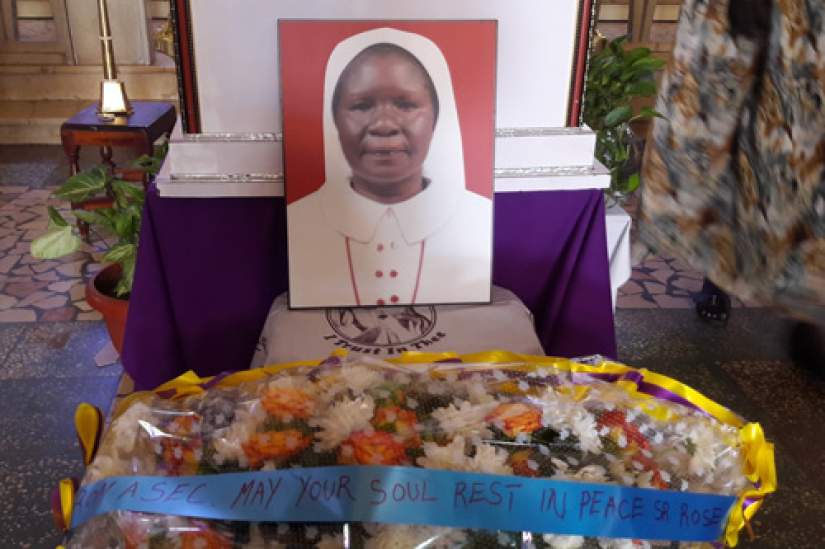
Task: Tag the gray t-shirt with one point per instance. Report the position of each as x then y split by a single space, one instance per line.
386 332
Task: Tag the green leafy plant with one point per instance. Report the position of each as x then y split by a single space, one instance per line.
117 224
615 78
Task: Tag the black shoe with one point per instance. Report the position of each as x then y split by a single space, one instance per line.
806 346
713 303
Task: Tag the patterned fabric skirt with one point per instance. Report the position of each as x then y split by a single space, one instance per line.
734 175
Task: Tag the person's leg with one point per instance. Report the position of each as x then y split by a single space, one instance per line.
713 303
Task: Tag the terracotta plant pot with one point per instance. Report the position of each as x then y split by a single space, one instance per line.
100 295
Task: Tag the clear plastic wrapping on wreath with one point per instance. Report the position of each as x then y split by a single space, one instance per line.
514 419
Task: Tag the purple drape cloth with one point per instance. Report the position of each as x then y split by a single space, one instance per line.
209 268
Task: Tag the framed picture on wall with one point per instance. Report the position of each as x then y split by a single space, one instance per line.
388 133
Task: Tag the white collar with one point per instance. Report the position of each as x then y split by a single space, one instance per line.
356 216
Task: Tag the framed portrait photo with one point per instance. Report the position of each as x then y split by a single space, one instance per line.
388 134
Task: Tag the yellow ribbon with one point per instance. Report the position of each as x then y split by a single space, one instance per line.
88 424
67 491
760 469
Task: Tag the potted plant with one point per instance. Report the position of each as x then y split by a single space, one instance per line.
112 208
616 77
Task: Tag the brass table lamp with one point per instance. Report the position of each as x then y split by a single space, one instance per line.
113 101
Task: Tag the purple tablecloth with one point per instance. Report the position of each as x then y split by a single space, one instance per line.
209 268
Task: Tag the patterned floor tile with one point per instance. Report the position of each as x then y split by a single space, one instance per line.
60 350
35 289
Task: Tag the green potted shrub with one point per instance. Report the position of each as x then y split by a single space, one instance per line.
616 77
112 207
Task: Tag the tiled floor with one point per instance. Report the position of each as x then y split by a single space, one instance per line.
30 289
47 366
664 284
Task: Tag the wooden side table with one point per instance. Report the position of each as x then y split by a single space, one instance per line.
149 121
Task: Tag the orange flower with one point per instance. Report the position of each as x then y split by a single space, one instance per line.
204 539
520 462
616 421
180 451
402 422
376 448
180 456
183 425
287 404
515 417
274 445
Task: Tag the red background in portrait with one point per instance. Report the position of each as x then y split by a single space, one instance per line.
470 50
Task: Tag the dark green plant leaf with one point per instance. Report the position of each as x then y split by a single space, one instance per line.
56 243
648 112
55 219
161 149
616 46
84 185
124 285
152 163
149 164
128 192
124 224
617 116
120 253
643 88
95 217
648 63
633 182
635 54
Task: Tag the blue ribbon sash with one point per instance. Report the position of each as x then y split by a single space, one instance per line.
408 495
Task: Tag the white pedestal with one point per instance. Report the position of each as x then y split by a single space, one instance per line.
618 248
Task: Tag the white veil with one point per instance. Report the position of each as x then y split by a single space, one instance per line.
444 165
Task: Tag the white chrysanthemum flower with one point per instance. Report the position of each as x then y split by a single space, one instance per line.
561 469
361 378
707 446
392 536
563 542
487 458
620 474
105 466
330 542
311 532
256 539
290 382
228 444
126 428
562 412
465 418
645 480
606 395
355 377
477 391
451 456
341 419
618 543
591 473
588 473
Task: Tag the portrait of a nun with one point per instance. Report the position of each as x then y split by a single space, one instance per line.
393 222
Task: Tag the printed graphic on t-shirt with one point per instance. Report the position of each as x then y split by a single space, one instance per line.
382 327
